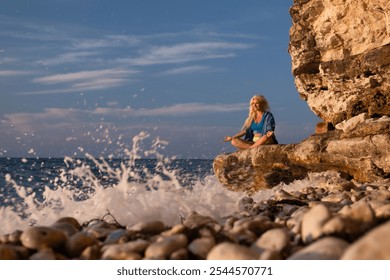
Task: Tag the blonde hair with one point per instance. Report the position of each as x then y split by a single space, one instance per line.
263 107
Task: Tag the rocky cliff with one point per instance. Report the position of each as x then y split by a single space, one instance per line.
340 51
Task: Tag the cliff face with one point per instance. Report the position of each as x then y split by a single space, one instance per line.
340 52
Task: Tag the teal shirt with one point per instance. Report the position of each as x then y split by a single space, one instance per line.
266 124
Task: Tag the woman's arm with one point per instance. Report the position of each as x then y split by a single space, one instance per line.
238 135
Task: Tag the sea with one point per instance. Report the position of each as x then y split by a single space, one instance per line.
130 189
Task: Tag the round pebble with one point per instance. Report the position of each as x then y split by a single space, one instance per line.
374 245
162 248
40 237
313 222
231 251
200 247
273 240
153 227
327 248
77 243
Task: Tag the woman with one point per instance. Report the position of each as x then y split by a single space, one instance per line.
258 128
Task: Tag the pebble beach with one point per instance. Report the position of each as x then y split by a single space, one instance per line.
336 219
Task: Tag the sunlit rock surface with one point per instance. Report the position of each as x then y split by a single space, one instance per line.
340 51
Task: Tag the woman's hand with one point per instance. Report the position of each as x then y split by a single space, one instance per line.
227 138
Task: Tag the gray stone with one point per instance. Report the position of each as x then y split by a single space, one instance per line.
117 236
67 228
132 250
70 220
152 227
195 220
180 254
200 247
40 237
358 217
77 243
44 254
231 251
313 222
9 252
374 245
327 248
273 240
164 246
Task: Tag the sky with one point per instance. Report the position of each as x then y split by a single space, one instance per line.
86 76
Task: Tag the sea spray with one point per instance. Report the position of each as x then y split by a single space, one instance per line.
91 187
132 189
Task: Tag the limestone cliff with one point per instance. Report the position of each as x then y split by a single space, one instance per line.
340 52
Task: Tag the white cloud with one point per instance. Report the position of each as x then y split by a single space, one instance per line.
71 57
184 109
85 80
187 109
84 76
96 84
185 52
187 70
108 41
5 73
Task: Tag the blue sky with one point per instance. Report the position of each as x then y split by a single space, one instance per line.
88 75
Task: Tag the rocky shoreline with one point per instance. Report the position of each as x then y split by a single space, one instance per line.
334 219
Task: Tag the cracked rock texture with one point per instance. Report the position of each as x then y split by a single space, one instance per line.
340 51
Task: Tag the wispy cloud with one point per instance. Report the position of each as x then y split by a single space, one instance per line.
185 52
188 70
85 80
66 58
182 109
5 73
189 109
84 76
108 41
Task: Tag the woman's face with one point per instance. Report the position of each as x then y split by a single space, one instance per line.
255 105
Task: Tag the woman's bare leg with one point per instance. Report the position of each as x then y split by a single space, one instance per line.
241 144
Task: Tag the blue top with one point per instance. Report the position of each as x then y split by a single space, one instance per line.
266 124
